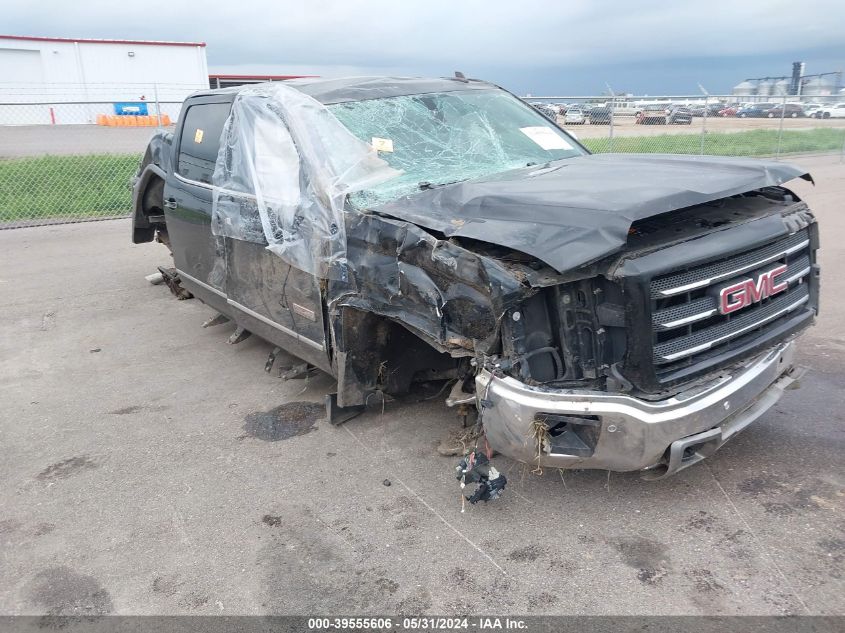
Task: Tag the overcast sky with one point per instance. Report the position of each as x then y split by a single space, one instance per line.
543 47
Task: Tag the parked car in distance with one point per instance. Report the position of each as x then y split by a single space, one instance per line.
754 110
712 109
679 115
652 115
728 111
790 110
600 115
810 109
546 109
836 111
574 116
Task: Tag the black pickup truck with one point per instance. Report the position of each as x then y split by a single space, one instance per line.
623 312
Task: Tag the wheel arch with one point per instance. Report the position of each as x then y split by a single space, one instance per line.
148 203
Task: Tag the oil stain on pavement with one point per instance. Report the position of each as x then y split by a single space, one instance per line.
284 422
61 591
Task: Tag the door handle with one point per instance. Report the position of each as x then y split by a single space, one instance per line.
170 203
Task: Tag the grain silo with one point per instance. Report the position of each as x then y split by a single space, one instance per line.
780 88
764 88
819 86
744 89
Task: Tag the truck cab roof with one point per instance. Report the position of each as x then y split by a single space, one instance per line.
338 90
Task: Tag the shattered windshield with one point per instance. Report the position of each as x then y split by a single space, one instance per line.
447 137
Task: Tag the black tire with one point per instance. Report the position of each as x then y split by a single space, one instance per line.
826 115
794 115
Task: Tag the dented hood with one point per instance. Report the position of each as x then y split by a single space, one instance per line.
575 211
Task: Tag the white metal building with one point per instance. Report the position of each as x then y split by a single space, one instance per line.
50 80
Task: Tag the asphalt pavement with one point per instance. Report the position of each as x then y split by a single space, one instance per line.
141 476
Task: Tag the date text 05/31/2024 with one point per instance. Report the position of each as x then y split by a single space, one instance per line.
416 624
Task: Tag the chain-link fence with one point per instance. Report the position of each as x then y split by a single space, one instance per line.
66 159
69 151
768 127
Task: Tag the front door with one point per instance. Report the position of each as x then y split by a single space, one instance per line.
199 256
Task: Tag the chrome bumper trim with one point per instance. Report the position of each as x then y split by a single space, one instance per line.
634 433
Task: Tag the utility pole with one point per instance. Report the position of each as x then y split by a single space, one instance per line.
704 120
612 108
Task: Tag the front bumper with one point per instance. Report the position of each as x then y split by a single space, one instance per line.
660 437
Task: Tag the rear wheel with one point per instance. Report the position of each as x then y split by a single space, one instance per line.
826 115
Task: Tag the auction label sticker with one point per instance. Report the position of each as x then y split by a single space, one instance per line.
382 144
545 137
198 136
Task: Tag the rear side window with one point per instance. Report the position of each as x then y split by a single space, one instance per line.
201 140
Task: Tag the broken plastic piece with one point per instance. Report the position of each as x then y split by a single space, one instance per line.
475 467
174 282
155 279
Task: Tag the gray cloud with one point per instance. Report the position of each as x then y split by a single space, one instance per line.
329 36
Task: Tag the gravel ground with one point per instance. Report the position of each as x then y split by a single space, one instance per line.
145 472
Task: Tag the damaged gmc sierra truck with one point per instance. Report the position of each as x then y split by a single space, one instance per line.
622 312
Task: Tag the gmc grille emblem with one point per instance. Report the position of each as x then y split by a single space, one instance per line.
748 291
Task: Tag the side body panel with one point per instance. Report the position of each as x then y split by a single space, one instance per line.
241 279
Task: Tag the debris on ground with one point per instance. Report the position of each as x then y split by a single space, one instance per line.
155 279
458 441
170 276
475 467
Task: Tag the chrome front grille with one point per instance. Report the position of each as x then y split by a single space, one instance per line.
703 276
686 320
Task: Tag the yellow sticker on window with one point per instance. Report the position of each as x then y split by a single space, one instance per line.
382 144
198 136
